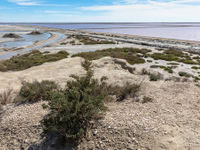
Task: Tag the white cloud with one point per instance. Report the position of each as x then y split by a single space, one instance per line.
35 3
152 11
25 2
160 2
57 12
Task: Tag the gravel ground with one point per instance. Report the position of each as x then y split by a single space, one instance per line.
170 122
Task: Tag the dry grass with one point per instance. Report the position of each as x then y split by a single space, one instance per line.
6 97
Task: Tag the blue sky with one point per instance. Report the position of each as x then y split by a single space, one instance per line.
99 10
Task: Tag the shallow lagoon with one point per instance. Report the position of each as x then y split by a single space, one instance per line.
25 40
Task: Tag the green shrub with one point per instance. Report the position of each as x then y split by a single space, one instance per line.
184 74
168 69
36 91
174 55
129 54
73 108
28 60
195 67
154 77
127 91
196 78
149 61
90 41
147 99
174 64
175 52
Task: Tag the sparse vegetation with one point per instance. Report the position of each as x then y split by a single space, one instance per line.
127 91
195 67
28 60
90 41
174 64
174 55
154 77
149 61
196 78
129 54
36 91
184 74
147 99
6 97
168 69
74 107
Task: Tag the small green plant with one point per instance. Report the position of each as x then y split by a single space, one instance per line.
154 77
168 68
127 91
144 72
147 99
184 74
149 61
196 78
36 91
174 64
195 67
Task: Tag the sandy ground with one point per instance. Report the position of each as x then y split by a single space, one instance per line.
15 28
170 122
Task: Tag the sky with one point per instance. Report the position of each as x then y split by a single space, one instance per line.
99 10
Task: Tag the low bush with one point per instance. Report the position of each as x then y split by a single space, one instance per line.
154 77
147 99
73 108
174 55
127 91
168 68
184 74
90 41
195 67
36 91
174 64
28 60
129 54
196 78
149 61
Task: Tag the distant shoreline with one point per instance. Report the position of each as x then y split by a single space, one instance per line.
186 45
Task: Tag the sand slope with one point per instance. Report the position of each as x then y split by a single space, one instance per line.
170 122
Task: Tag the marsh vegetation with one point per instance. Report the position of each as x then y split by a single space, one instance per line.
28 60
86 40
129 54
